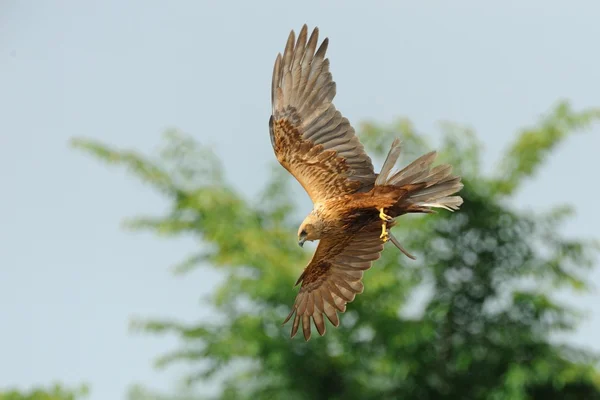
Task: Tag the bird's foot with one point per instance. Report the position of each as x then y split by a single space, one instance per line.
384 216
385 236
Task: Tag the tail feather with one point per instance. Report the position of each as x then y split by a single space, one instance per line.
414 171
450 203
389 163
438 173
437 190
427 187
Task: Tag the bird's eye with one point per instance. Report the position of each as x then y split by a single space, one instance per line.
303 233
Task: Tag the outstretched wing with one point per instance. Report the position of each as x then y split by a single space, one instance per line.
333 278
311 139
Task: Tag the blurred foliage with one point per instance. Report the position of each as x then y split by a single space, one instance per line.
137 392
490 270
56 392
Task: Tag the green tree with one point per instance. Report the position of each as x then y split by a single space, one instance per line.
483 334
56 392
137 392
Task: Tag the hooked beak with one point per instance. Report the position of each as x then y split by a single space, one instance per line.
301 241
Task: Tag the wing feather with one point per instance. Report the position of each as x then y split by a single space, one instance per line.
319 322
331 313
311 139
333 278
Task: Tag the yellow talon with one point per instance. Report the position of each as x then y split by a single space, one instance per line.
384 233
384 216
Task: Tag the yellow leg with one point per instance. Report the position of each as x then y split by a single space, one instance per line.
384 216
384 233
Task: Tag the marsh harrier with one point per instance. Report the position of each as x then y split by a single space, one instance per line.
353 206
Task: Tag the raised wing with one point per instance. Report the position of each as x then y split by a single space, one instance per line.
311 139
333 278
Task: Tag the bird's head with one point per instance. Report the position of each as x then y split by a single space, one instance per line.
310 229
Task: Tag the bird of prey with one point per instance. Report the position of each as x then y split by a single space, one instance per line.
354 207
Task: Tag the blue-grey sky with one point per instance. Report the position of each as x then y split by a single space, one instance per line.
123 71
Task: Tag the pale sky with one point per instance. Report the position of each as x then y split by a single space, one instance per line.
123 71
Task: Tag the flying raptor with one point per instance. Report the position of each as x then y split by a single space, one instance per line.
354 207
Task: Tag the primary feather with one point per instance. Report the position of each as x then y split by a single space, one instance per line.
312 139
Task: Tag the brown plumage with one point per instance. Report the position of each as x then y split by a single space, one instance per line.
317 145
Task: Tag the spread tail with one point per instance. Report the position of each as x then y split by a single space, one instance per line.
427 187
421 186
